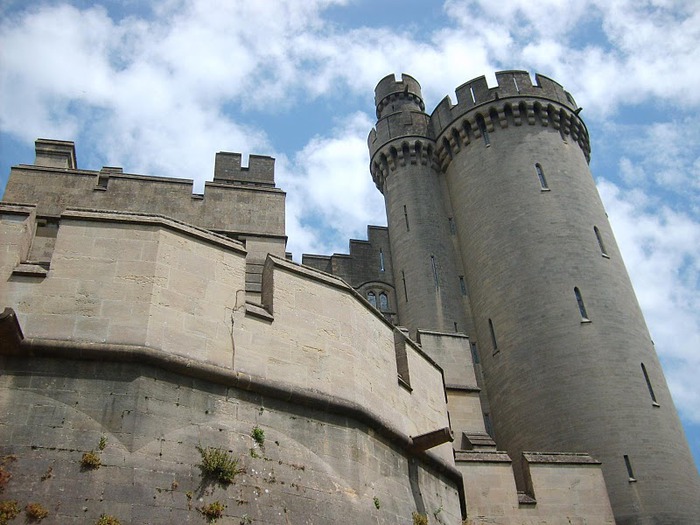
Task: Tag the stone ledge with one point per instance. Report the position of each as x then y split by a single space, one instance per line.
30 270
462 388
570 458
475 456
150 219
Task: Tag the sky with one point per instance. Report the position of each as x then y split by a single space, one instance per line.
159 87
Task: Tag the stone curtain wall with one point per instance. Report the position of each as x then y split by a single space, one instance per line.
314 467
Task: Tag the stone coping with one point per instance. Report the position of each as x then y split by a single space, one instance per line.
338 283
151 219
569 458
144 178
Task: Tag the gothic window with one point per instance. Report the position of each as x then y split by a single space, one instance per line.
383 302
372 299
540 176
603 252
581 306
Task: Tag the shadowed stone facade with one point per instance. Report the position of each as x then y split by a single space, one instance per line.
165 321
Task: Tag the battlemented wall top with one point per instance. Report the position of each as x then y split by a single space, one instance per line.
510 83
260 169
389 89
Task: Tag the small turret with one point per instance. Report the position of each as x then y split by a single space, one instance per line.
392 95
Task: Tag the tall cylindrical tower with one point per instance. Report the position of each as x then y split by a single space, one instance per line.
422 251
568 362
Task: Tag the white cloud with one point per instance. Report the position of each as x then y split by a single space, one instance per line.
329 188
661 249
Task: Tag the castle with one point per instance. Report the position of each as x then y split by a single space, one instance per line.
482 359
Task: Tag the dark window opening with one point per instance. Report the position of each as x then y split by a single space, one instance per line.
493 337
405 216
484 132
603 251
405 290
475 353
541 177
630 472
651 389
462 285
581 306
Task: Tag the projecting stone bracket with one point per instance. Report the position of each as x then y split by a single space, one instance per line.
432 439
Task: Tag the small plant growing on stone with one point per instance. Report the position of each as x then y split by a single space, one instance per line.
420 519
245 520
213 511
105 519
9 510
35 512
90 461
5 476
218 464
258 435
377 504
102 444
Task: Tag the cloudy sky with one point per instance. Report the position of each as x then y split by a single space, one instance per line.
159 87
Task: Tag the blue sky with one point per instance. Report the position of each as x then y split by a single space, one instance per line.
159 87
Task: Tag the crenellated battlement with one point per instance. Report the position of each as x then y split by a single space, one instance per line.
391 94
260 169
513 102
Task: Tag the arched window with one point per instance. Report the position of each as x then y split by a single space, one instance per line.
603 251
581 306
540 176
372 299
383 302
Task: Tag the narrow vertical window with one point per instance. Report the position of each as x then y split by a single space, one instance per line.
381 260
383 302
453 229
651 389
493 337
603 251
471 92
581 306
487 424
372 299
462 285
630 472
405 216
401 359
475 353
435 272
484 132
405 290
541 177
456 327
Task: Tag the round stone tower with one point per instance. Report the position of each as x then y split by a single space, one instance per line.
423 253
567 359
